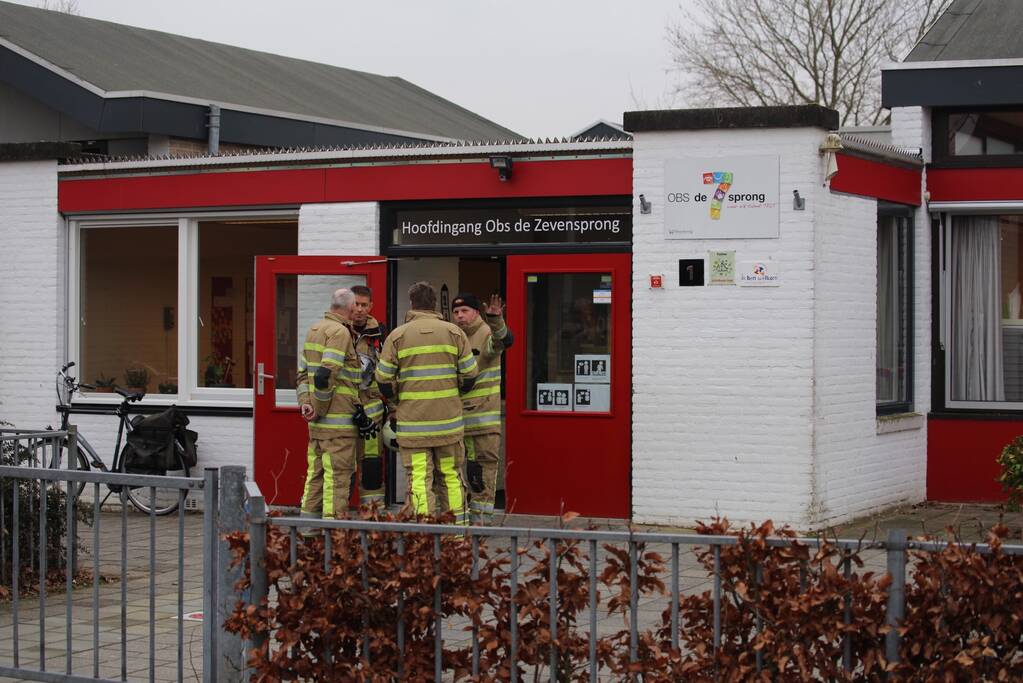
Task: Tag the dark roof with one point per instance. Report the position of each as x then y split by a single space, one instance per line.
794 116
973 29
117 59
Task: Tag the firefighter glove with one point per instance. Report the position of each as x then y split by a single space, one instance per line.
364 423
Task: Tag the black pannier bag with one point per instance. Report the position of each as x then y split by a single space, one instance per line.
149 448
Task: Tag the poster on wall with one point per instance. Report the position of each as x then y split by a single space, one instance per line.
722 267
551 396
592 398
721 197
590 368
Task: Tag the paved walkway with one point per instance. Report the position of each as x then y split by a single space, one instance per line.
128 633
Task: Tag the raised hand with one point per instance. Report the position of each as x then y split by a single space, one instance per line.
495 306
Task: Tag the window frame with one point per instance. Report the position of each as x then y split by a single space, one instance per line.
943 158
945 213
189 392
905 406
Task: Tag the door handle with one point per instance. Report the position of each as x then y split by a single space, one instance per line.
260 376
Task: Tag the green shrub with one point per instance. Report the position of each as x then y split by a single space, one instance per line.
1011 478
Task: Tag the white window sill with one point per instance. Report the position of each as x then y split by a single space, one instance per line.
163 400
899 422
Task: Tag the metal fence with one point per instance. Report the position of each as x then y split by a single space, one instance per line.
117 601
894 551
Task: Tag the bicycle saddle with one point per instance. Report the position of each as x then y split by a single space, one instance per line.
132 396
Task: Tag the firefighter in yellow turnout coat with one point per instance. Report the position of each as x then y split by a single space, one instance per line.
368 337
481 407
424 366
327 385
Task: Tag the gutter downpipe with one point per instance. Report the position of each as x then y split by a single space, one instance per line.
214 129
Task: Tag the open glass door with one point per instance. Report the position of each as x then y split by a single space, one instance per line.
292 292
569 383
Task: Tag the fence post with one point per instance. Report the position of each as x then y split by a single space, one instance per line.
896 551
72 500
257 555
210 628
230 648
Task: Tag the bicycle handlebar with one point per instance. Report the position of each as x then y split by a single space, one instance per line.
68 366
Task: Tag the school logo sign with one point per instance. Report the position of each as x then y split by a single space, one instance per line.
740 202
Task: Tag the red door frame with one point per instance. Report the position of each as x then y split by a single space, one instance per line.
562 461
279 433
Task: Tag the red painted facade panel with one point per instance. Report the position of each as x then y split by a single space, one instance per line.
587 177
961 456
975 184
875 179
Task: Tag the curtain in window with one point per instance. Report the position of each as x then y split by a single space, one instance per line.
976 354
889 310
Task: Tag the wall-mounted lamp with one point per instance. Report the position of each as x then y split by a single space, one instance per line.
503 166
644 205
798 203
829 149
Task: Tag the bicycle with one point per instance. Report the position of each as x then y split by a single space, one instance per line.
166 500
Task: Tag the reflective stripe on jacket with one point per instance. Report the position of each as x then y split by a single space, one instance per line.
426 359
367 344
481 407
328 345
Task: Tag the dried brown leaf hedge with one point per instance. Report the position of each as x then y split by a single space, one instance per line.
789 613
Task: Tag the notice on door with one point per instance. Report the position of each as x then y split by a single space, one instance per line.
592 398
550 396
594 369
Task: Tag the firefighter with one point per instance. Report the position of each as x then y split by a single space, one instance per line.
368 337
327 385
481 407
424 366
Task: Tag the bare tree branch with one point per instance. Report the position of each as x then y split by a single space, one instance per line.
775 52
65 6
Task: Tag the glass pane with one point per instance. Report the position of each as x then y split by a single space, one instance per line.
301 301
227 250
986 264
568 342
985 133
892 309
128 307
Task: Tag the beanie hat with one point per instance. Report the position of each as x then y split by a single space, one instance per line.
465 299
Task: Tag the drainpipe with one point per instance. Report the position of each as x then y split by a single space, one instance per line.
214 127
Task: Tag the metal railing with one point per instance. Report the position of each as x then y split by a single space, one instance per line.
25 494
895 549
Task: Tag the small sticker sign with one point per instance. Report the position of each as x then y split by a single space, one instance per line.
722 267
602 296
550 396
592 398
759 274
592 369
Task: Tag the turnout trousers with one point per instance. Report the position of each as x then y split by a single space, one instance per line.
435 481
328 479
371 471
482 453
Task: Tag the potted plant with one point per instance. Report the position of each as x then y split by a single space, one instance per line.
137 378
217 371
168 387
103 384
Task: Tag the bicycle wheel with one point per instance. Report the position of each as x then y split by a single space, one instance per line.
86 455
159 501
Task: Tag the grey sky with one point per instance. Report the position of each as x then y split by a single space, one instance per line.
541 68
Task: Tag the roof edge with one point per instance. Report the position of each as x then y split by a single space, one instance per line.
953 64
791 116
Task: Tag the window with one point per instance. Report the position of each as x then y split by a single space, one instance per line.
227 250
127 324
978 133
894 311
984 332
568 342
166 305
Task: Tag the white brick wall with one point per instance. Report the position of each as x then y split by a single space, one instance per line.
911 127
723 375
758 403
31 292
857 470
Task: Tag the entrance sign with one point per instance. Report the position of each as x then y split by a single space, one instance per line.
555 225
592 398
591 368
758 274
721 197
